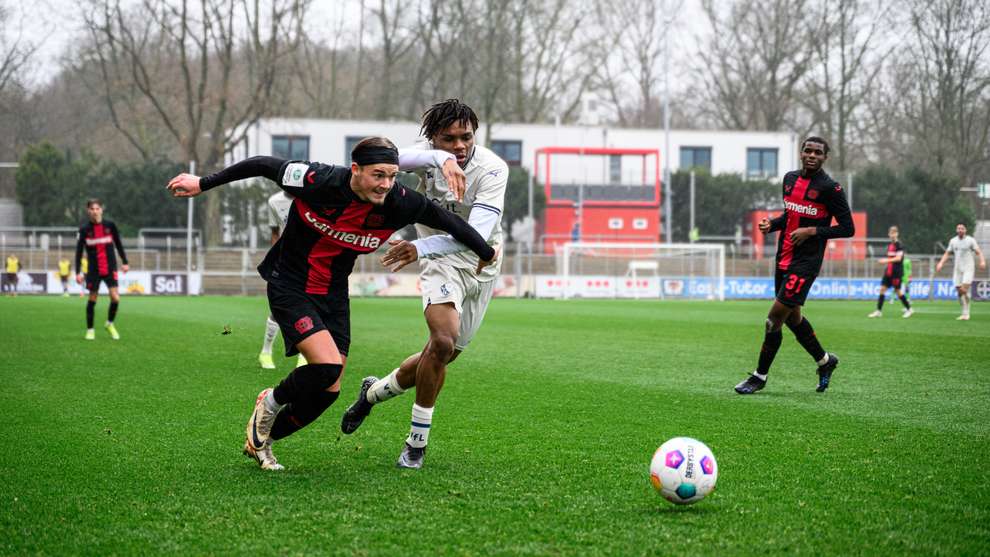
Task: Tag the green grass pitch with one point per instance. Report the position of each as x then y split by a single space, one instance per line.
541 443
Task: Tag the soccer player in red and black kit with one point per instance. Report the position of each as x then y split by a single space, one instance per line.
893 274
99 237
811 200
338 213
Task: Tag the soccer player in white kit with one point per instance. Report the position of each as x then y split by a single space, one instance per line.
962 247
455 296
278 214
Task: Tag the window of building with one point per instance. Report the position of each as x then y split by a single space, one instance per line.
696 157
349 143
509 150
295 147
614 169
761 163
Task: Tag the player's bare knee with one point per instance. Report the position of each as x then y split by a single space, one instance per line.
441 346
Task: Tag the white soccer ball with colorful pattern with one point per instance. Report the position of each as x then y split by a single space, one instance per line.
683 470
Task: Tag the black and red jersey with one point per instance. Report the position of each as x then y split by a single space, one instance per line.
810 201
99 240
329 226
894 269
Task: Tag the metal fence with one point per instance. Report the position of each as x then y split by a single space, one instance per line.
232 270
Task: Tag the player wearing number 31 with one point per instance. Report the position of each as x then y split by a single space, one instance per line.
811 200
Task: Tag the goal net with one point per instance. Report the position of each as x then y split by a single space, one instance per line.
642 270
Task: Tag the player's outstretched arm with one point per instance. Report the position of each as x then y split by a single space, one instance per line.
190 185
435 217
983 262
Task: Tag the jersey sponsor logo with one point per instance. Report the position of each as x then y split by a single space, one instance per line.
304 324
293 176
801 209
364 241
98 241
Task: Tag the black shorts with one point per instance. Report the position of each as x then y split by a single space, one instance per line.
891 281
93 281
792 287
299 315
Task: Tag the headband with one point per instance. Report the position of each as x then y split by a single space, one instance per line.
375 155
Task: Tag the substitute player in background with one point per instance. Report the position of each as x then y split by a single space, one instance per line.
339 212
811 200
64 271
893 275
279 205
99 237
454 297
962 246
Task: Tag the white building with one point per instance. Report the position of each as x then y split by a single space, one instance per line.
752 154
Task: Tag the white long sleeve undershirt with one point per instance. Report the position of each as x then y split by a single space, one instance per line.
410 159
482 218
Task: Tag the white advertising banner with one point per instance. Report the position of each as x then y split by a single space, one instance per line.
131 282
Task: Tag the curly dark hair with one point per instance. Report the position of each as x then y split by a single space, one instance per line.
443 114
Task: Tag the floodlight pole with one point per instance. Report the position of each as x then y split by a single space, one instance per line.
668 210
189 226
691 224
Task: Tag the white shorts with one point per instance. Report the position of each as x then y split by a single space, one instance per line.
961 276
442 284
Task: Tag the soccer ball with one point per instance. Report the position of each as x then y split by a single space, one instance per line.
683 470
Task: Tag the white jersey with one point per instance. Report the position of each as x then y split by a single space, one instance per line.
487 176
963 250
278 210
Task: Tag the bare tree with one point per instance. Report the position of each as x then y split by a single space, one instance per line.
396 40
630 48
943 98
848 63
15 51
204 71
543 65
756 58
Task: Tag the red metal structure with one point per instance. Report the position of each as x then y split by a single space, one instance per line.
610 209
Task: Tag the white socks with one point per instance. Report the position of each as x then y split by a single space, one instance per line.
385 388
760 376
419 430
824 360
270 403
964 300
271 331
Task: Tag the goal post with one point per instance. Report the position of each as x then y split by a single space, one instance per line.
642 270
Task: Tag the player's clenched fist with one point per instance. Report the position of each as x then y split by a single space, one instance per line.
184 185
